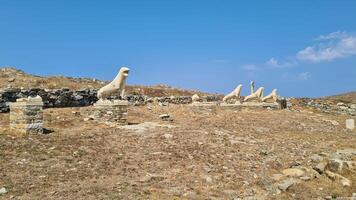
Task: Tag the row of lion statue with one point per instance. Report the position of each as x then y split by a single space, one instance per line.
254 96
118 85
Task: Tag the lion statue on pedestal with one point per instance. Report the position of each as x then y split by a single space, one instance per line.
116 86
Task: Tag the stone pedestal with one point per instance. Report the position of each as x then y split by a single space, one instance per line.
114 112
350 124
204 104
26 115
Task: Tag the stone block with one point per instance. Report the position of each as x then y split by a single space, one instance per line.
350 124
252 104
111 111
26 115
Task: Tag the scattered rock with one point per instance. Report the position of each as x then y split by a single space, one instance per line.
346 153
88 119
293 172
165 117
305 178
208 179
76 113
340 104
3 191
333 122
143 127
163 104
320 168
168 136
153 177
326 106
277 177
316 158
337 177
335 165
11 80
295 164
285 184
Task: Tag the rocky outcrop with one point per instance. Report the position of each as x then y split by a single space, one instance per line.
55 98
325 105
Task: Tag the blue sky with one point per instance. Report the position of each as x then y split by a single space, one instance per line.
302 48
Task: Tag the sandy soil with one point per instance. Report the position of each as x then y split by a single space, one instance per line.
202 154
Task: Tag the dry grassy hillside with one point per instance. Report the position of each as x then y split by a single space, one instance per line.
13 78
204 153
349 97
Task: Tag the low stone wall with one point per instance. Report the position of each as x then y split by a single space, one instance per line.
51 98
56 98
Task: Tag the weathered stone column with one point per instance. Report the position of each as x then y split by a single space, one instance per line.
252 87
114 112
26 115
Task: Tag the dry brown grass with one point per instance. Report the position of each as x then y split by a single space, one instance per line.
13 78
216 152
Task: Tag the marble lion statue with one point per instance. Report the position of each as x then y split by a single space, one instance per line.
234 94
116 86
273 96
256 95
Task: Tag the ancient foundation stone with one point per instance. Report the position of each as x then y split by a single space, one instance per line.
204 104
253 104
113 112
26 115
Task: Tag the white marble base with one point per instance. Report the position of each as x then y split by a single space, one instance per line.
252 105
204 104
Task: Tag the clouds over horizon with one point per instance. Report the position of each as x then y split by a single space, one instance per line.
274 63
304 76
329 47
335 45
326 48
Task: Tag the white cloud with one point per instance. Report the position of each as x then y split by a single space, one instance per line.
273 62
276 64
304 76
329 47
249 67
333 35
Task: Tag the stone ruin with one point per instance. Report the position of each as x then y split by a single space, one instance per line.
63 98
26 115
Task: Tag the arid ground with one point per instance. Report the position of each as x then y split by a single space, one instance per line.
204 153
